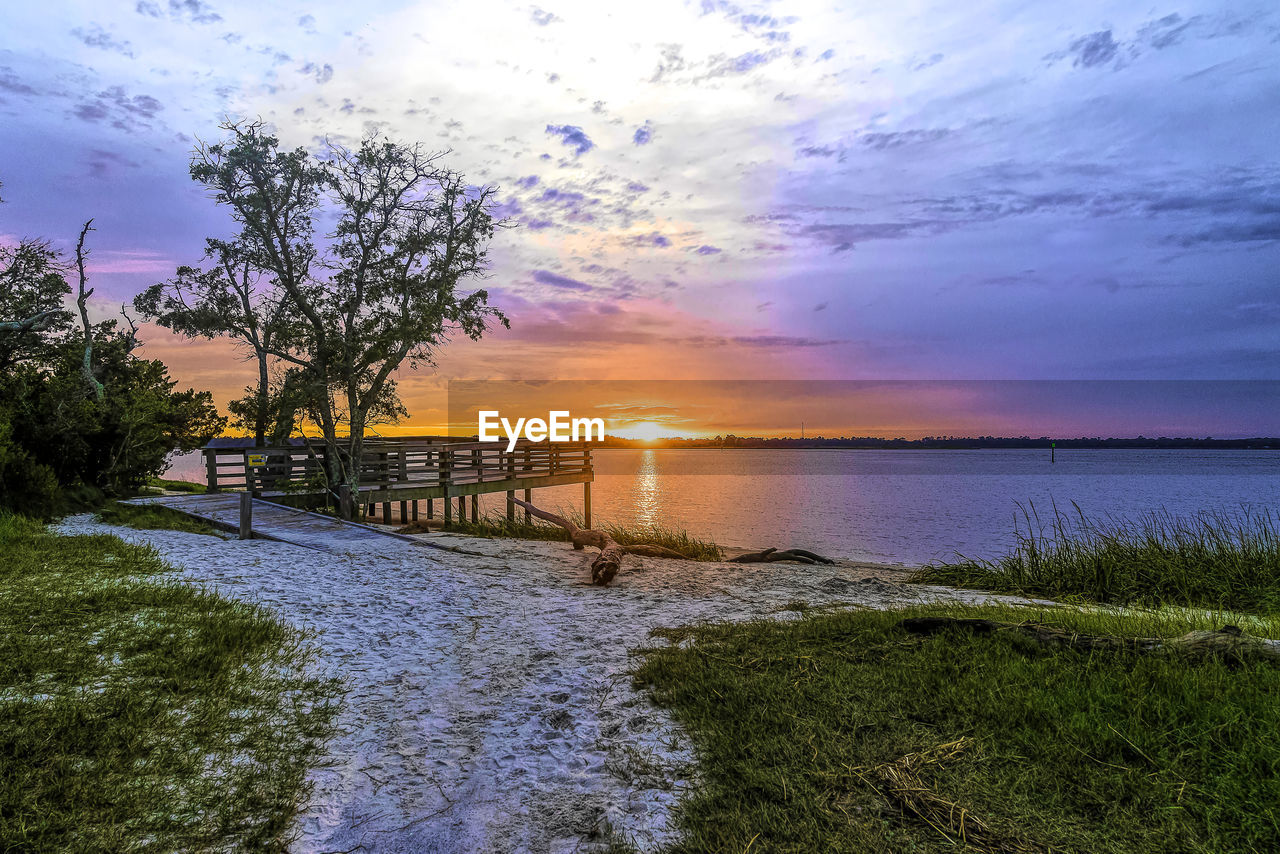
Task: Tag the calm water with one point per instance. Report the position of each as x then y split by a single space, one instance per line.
906 507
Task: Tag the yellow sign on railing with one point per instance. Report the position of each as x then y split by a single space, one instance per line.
257 459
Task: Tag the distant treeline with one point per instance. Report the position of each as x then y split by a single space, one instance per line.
947 442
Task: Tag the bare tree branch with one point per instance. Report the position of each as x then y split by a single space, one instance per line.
82 302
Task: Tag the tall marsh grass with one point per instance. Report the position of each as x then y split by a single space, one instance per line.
495 524
1215 560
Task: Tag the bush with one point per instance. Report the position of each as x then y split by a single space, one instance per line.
25 486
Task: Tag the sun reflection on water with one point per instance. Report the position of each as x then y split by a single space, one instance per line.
645 493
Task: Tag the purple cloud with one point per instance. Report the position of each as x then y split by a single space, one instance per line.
555 280
572 136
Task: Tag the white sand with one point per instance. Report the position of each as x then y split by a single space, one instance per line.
490 707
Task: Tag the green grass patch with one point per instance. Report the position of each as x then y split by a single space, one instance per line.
151 517
142 713
497 525
176 485
794 723
1219 561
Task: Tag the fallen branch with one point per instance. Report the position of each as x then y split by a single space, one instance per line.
1226 641
775 556
609 561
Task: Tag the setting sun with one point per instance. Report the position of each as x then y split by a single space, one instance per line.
646 431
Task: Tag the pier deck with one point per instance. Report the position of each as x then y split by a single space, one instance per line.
405 474
273 521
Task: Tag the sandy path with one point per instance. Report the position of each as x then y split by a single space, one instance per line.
489 706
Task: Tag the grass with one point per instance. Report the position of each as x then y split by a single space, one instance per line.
141 713
496 524
151 517
175 485
800 727
1219 561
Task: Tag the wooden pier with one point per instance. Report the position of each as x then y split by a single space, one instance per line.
407 474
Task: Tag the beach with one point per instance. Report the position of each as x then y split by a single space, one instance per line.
489 703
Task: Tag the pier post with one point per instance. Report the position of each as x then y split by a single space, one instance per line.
211 469
475 508
246 515
511 493
528 497
586 504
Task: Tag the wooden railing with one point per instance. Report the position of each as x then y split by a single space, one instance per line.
398 463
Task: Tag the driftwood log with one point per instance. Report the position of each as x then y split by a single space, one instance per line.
1226 641
609 561
775 556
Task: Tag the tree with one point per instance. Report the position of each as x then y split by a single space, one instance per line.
229 298
77 406
32 288
347 309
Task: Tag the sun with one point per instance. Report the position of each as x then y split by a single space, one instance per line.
646 431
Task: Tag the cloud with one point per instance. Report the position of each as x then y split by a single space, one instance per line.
572 136
543 18
97 37
195 11
1166 31
653 238
897 139
103 163
546 277
706 249
845 236
643 134
116 105
723 66
928 63
322 73
308 24
10 82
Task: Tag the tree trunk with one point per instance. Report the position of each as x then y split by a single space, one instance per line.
82 302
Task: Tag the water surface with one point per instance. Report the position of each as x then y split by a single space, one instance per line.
899 506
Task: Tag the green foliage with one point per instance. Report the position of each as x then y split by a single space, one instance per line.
1120 753
59 430
142 713
113 445
25 484
175 485
1224 561
330 319
32 288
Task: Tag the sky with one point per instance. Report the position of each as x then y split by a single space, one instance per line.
711 190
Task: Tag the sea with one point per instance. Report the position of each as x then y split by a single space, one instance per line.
907 507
